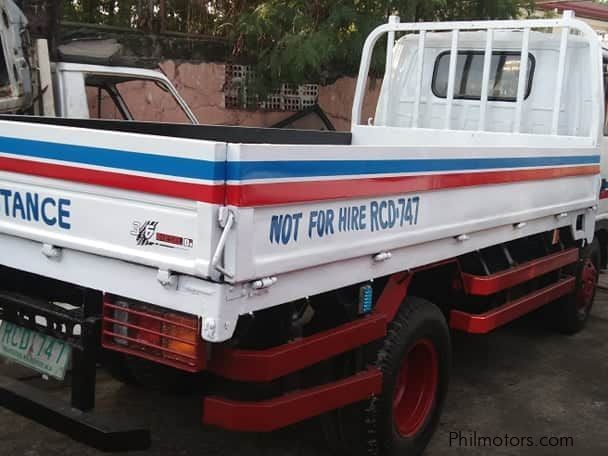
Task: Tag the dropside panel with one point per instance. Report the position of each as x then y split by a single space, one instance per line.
300 207
140 198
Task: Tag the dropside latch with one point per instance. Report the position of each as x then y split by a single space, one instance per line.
226 221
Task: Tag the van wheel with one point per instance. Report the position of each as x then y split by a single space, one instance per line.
570 313
415 360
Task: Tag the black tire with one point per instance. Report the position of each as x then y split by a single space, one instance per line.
370 428
569 314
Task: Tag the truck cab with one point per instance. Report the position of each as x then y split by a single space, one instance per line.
602 215
101 92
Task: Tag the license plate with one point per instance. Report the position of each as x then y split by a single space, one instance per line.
44 354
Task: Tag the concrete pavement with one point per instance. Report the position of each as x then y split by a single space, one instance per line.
519 384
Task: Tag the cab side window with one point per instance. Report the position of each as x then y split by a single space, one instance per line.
102 105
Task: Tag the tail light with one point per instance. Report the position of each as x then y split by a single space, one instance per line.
153 333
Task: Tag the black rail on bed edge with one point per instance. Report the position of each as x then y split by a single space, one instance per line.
243 135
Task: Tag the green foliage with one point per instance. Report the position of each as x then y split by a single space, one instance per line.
287 40
299 40
108 12
318 40
199 16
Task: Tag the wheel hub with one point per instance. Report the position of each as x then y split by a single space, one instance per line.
416 388
587 286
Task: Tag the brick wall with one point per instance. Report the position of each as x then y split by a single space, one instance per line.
201 85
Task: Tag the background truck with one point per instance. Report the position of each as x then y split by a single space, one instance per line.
601 225
309 273
79 84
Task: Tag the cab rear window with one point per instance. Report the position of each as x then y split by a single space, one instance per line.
504 75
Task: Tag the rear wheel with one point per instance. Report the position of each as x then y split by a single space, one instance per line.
415 388
570 313
415 360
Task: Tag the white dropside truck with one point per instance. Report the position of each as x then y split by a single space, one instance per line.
309 273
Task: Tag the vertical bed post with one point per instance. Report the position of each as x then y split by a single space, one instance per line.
388 69
485 84
522 84
419 71
392 20
563 47
451 79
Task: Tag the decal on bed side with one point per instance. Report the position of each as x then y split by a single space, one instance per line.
34 207
374 216
147 233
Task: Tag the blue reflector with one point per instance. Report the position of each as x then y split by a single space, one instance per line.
366 297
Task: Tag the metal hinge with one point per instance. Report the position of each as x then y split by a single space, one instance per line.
266 282
226 221
165 277
382 256
51 251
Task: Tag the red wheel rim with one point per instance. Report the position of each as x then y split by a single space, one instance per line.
416 388
586 290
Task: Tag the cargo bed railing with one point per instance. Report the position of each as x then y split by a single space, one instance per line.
567 24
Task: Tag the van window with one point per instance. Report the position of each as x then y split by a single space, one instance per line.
102 105
132 98
151 101
504 75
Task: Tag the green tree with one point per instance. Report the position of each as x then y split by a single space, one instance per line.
189 16
317 40
109 12
286 40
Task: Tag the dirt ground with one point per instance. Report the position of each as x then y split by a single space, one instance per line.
521 381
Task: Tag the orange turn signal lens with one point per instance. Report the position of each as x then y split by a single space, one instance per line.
153 333
181 335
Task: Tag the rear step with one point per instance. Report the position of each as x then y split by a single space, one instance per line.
105 433
492 319
266 416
